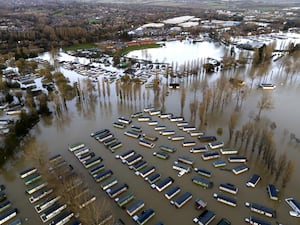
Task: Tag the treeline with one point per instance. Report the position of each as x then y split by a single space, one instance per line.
33 108
61 25
45 38
258 140
20 129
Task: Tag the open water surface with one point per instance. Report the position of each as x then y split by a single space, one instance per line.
76 124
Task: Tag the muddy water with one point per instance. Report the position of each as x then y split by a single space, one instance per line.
78 122
76 126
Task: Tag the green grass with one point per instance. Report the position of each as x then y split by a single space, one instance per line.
59 14
92 20
126 50
80 46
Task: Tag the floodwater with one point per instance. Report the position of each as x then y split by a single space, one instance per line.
180 52
76 124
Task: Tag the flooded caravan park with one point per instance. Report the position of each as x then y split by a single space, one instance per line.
75 125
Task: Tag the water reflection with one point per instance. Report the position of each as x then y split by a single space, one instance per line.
180 53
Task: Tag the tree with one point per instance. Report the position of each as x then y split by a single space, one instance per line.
88 87
9 98
232 124
182 100
37 153
43 106
195 86
255 139
265 103
66 91
201 113
46 73
23 125
2 84
252 74
247 133
20 63
19 95
29 102
288 173
237 136
193 110
97 213
68 184
281 165
162 98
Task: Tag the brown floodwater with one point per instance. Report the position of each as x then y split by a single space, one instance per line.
76 124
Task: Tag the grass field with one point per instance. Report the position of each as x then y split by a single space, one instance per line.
59 14
80 46
126 50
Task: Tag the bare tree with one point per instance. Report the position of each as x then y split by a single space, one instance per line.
103 88
207 98
250 132
68 184
255 139
222 86
252 72
37 153
88 87
214 94
182 100
232 124
269 152
195 86
46 73
163 97
281 165
29 102
288 173
43 104
244 93
237 136
108 89
244 134
202 109
19 95
265 103
193 110
262 142
99 87
97 213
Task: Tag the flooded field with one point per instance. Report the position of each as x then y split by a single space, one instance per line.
75 125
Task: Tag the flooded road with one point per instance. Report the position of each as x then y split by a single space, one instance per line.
76 124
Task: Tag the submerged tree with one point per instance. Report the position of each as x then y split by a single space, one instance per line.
19 95
97 213
43 105
288 173
263 54
193 110
281 165
201 114
232 124
265 103
249 127
182 100
37 154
